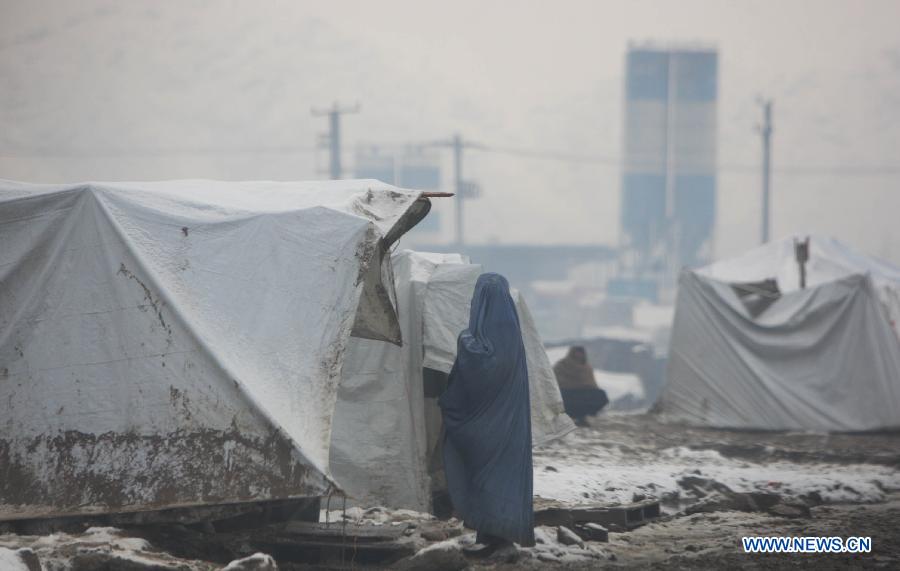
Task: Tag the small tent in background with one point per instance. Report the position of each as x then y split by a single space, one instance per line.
751 348
180 343
384 447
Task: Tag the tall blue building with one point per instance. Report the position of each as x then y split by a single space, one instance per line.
668 195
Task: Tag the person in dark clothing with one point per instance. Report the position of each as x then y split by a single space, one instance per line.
578 387
487 421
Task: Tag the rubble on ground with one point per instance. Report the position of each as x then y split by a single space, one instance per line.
601 494
97 549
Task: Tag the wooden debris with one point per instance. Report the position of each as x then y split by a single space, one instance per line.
615 518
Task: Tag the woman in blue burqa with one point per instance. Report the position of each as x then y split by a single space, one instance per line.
487 421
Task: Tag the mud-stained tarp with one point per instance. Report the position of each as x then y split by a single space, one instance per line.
180 343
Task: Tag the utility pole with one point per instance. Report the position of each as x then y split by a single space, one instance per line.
672 246
801 252
458 186
334 135
765 130
463 189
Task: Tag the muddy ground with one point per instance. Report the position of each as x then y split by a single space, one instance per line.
715 486
808 467
647 430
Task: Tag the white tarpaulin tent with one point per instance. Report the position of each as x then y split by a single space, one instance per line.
180 343
822 358
384 427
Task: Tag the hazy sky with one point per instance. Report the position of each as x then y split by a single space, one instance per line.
150 90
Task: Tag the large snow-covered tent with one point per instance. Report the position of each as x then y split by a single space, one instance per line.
180 343
386 421
826 357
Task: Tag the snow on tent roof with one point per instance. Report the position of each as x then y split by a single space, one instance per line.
179 343
829 259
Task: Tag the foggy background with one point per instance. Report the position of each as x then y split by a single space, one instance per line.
106 90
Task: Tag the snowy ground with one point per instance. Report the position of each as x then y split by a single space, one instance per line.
594 465
843 485
97 547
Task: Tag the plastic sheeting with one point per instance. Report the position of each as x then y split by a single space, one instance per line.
379 442
823 358
829 260
178 343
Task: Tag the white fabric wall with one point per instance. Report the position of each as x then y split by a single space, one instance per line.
824 358
379 435
378 441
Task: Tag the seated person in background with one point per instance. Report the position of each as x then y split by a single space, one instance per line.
580 393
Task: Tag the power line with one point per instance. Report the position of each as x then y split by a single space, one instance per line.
58 153
524 153
552 155
608 160
765 132
839 170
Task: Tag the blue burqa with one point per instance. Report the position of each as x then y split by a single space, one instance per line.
487 419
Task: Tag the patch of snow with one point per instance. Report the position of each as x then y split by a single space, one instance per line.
555 354
618 332
378 515
619 385
10 560
548 548
649 316
583 467
255 562
453 544
112 537
56 550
